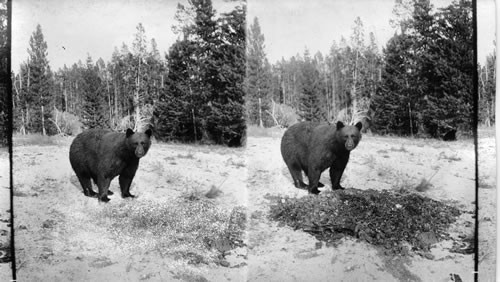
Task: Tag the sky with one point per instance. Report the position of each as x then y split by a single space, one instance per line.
291 26
75 28
92 27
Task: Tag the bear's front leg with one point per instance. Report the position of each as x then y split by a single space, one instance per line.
336 171
125 182
103 185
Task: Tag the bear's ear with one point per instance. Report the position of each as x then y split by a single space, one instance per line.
359 125
129 132
149 132
339 125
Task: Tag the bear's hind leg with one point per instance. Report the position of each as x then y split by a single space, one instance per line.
103 185
314 176
319 183
95 182
296 173
86 185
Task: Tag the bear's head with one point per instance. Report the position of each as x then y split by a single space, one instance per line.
139 142
349 135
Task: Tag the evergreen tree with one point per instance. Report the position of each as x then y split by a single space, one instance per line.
38 99
94 105
309 100
392 104
203 98
225 110
258 78
447 68
427 79
174 110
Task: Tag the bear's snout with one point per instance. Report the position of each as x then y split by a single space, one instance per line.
140 152
350 145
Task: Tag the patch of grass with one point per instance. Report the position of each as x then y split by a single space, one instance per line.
36 139
486 132
424 185
483 184
383 170
5 252
256 131
403 184
189 155
156 166
370 161
400 149
172 177
196 231
450 158
237 163
383 218
214 192
193 193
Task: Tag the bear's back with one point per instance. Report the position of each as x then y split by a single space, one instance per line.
90 139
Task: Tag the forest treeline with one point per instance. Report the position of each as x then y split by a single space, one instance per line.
420 84
193 93
216 79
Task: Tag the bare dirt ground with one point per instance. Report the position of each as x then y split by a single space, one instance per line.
58 238
281 254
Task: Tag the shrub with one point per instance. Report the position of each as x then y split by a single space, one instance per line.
285 115
385 218
66 123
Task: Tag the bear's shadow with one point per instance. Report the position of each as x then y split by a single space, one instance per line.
76 185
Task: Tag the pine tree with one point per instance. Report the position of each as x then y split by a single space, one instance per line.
258 78
39 101
174 110
309 100
392 104
225 119
447 68
94 105
203 96
427 79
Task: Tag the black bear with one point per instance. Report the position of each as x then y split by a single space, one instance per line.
313 147
101 155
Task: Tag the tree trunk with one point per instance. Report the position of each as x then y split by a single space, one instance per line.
194 125
65 92
260 114
411 119
23 127
116 104
333 106
136 99
43 122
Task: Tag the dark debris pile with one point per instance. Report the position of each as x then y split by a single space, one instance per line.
383 218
